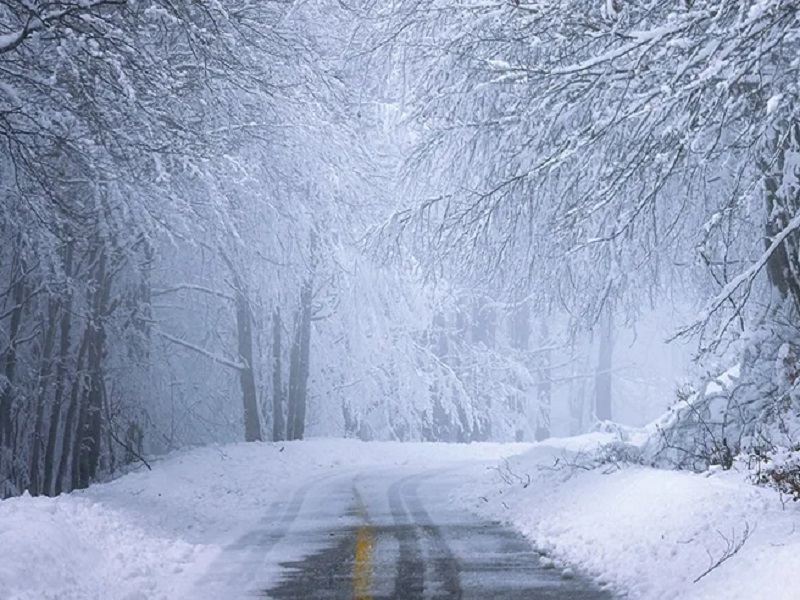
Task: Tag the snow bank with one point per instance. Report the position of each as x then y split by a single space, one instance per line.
151 535
642 532
649 533
71 547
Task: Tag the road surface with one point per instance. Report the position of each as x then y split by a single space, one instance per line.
390 534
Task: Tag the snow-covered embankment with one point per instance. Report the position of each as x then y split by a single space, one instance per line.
649 534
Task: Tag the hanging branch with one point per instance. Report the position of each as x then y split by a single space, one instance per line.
215 357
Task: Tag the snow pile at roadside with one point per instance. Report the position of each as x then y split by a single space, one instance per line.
151 535
72 547
646 533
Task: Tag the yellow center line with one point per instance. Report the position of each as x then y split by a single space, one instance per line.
362 568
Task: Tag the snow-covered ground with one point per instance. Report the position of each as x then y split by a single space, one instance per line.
644 533
154 534
649 534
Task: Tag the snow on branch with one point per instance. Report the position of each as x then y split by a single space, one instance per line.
744 278
215 357
640 39
191 287
44 20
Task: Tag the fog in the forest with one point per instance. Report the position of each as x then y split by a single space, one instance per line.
407 221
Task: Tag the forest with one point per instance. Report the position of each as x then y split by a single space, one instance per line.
402 220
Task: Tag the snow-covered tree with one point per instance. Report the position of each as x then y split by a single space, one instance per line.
607 152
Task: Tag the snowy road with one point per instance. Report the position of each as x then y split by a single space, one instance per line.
383 534
347 519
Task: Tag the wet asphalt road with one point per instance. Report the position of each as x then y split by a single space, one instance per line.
386 535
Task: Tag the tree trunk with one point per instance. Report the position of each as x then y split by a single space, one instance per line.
782 198
71 442
519 335
544 385
278 424
483 323
10 365
89 431
299 366
61 374
35 486
244 336
577 390
603 372
94 396
8 375
80 459
520 327
247 381
294 364
441 346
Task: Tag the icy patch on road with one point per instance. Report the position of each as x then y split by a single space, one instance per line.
647 533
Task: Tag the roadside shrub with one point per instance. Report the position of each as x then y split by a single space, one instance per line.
779 469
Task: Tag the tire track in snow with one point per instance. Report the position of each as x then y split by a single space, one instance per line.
410 581
411 519
238 563
445 564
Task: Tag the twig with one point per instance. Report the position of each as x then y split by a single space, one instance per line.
732 547
133 452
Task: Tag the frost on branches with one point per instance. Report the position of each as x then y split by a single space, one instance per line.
609 154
